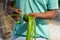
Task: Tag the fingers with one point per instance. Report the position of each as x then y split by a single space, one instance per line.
16 17
18 11
33 15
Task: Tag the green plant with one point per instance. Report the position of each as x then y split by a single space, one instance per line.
31 30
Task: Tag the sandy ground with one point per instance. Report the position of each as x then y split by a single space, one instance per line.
54 31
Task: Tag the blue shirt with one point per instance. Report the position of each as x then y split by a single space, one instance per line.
28 6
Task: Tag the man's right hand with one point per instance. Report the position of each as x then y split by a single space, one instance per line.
17 13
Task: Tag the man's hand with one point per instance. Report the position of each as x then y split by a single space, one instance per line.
17 13
45 15
34 15
31 14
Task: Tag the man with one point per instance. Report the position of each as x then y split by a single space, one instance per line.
40 10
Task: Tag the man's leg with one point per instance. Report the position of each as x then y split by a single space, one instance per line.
21 38
13 37
41 39
24 38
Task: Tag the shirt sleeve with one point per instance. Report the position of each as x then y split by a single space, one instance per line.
52 4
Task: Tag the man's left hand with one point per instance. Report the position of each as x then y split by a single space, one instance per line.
34 15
